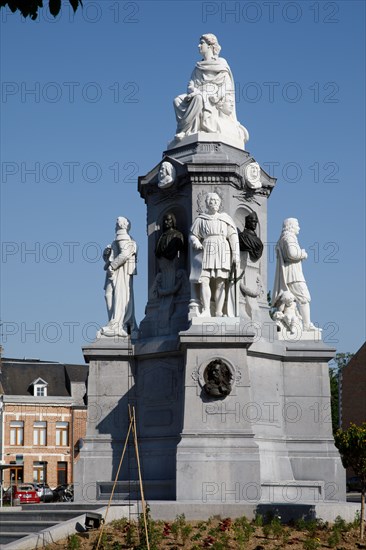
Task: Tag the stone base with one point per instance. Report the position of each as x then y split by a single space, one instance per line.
268 440
292 491
193 510
98 465
300 334
233 322
197 511
207 464
206 137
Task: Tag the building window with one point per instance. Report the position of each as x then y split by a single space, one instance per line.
16 433
40 433
39 387
61 473
38 472
62 434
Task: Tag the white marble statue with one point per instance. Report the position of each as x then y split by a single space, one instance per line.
120 267
209 104
287 315
289 275
216 258
166 176
253 175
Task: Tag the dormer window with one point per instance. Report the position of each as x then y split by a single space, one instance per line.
39 387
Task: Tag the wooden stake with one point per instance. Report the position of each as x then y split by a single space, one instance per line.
115 481
134 432
362 524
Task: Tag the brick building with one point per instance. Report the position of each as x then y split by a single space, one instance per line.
353 390
42 419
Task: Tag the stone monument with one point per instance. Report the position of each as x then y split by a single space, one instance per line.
232 405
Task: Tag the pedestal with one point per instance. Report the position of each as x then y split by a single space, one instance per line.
109 393
217 457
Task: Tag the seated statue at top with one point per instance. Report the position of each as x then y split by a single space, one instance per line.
209 104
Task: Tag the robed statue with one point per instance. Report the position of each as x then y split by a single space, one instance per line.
120 267
209 104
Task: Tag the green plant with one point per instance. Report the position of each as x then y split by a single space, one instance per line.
225 539
351 444
131 534
154 531
181 519
269 516
120 524
311 544
155 536
323 525
180 528
334 538
185 532
258 520
175 530
267 530
243 529
356 521
311 527
103 541
285 536
276 527
341 525
240 539
73 542
300 524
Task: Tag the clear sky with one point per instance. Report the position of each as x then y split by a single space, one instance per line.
86 107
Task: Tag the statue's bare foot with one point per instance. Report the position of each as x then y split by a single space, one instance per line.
206 313
311 327
179 136
219 314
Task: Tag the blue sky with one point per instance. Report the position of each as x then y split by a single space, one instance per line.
101 114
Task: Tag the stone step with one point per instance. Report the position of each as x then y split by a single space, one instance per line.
6 537
130 490
30 526
41 515
61 506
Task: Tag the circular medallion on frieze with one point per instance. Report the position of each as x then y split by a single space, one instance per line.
218 379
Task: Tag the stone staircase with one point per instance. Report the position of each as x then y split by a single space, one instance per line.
33 519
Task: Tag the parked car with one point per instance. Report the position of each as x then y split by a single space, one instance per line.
64 493
44 492
24 492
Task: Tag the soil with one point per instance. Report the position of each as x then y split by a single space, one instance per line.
217 534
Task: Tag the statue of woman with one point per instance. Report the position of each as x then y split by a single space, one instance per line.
209 105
